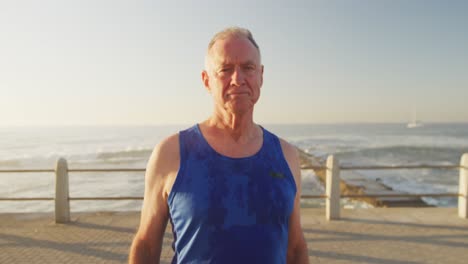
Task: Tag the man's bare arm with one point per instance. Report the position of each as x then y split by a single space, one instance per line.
297 246
160 174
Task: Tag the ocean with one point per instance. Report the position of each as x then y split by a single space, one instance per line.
130 147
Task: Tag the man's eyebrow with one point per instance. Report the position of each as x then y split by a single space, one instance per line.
223 65
249 62
229 64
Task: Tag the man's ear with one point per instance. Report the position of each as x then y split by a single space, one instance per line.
261 77
206 80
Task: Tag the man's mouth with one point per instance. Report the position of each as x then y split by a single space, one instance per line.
237 93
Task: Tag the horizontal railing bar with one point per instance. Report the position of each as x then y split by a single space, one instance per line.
77 170
313 168
401 195
303 168
302 196
399 167
107 170
314 196
27 199
105 198
31 170
386 167
387 195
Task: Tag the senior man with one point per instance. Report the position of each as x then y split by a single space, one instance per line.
230 188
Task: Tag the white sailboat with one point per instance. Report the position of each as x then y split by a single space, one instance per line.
414 122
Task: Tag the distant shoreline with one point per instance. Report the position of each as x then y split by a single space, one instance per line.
3 126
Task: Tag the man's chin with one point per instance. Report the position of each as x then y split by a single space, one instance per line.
240 108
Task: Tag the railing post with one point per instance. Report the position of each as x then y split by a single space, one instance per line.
463 188
333 188
62 203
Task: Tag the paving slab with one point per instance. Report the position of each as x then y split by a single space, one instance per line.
377 235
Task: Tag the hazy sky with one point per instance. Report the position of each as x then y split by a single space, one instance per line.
139 62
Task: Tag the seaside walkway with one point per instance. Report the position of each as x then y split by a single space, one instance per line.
378 235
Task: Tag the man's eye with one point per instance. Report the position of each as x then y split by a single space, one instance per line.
225 70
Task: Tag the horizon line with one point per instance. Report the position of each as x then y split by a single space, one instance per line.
265 123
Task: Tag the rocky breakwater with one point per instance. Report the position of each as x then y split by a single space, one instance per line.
357 184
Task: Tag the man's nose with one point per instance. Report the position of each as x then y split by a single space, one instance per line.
237 78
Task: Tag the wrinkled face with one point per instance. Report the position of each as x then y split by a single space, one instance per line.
234 75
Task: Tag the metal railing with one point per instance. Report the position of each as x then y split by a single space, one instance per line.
398 167
332 193
72 198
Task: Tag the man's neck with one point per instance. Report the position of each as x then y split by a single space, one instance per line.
240 128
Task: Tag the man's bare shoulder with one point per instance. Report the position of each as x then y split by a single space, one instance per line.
291 155
166 156
169 145
289 150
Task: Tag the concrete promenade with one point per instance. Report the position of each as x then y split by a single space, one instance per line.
379 235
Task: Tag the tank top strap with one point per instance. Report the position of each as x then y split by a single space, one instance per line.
191 142
274 151
271 142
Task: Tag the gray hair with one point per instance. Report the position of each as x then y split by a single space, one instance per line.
230 32
233 32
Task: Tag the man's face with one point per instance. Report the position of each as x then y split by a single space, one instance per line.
234 74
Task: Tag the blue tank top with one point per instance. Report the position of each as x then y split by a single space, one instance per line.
230 210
